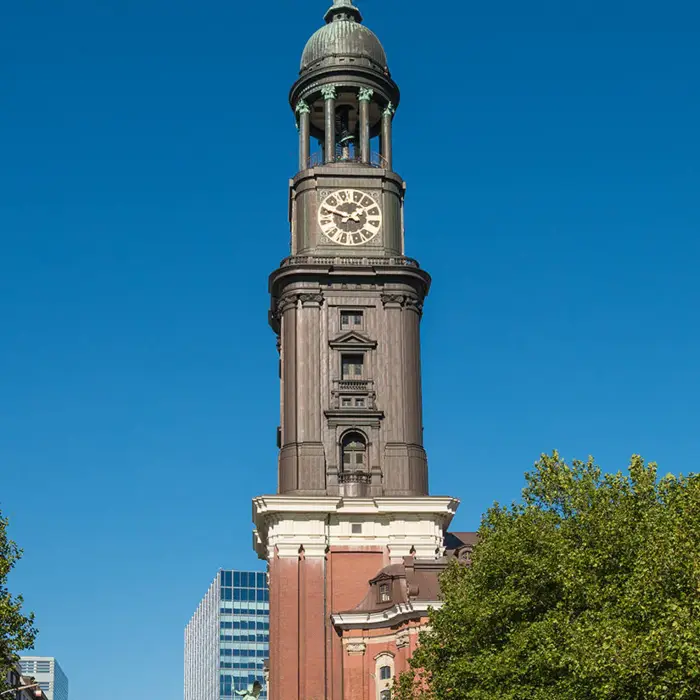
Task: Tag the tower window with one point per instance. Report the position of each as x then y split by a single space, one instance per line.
385 673
352 366
354 450
384 593
385 695
350 320
353 402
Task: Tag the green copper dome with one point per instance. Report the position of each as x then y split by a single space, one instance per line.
343 37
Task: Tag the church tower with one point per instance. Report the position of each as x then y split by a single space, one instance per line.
346 307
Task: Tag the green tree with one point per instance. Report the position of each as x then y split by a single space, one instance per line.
17 630
587 590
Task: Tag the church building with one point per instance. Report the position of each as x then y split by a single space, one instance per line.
353 539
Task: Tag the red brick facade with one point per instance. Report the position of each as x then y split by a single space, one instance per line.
306 652
345 620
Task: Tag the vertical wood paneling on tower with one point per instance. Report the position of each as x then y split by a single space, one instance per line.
411 374
289 477
311 452
415 463
324 384
394 453
423 463
305 377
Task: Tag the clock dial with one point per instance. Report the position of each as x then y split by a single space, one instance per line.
349 217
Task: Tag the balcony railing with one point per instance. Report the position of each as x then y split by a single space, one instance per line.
353 386
355 478
340 261
376 160
348 393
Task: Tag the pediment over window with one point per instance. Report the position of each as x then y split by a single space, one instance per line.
389 573
352 340
382 577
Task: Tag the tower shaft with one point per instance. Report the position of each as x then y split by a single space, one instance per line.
346 307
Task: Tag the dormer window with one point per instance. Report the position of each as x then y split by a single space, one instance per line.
384 593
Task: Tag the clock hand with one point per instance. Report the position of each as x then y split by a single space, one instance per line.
332 210
346 216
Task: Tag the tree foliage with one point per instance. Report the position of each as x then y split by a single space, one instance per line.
17 630
588 589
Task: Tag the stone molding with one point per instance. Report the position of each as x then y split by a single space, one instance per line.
284 525
403 638
355 648
404 301
290 300
286 302
401 612
382 640
311 299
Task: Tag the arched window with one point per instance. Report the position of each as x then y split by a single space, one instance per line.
354 449
384 675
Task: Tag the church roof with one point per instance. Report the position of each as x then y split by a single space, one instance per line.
343 37
415 580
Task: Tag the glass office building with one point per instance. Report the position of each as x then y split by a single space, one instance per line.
47 672
227 639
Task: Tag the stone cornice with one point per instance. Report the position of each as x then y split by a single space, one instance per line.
385 618
434 505
286 524
358 417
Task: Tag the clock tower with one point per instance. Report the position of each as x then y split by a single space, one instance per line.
346 307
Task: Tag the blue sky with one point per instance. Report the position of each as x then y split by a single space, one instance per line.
552 155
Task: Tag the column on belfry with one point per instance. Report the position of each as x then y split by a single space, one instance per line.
364 98
303 112
387 117
329 95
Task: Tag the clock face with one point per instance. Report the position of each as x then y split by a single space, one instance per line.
349 217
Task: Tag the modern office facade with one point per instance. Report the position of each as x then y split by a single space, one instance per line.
48 674
227 639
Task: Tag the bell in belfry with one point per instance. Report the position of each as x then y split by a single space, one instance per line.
346 139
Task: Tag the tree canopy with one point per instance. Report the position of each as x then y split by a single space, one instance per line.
587 589
17 631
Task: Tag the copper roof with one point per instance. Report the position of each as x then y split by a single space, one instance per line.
415 579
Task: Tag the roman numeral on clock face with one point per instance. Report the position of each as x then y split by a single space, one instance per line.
349 217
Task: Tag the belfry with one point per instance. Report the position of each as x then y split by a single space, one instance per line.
353 539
